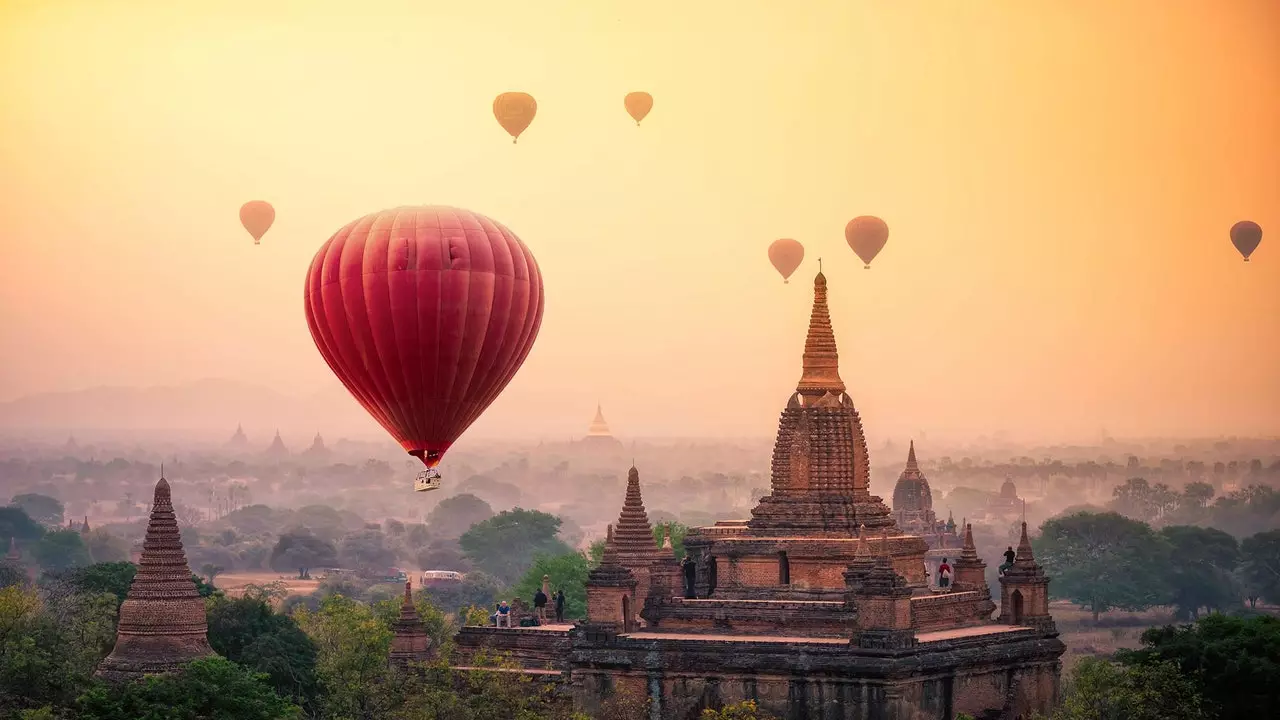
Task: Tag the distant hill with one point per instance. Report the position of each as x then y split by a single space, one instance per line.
214 406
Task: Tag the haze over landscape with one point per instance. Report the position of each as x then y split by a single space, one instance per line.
1058 184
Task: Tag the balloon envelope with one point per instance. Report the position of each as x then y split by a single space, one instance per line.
514 111
424 314
1246 235
786 254
638 105
256 216
867 236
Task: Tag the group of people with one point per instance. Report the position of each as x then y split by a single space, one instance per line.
502 613
944 570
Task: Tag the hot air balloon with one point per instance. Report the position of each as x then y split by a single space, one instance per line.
867 235
256 216
425 314
786 254
638 105
514 111
1246 235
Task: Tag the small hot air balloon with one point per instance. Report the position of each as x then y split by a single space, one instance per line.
638 105
514 111
1246 236
256 216
867 235
786 254
425 314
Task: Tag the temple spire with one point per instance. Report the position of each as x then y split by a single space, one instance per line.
633 534
1024 556
821 373
409 640
912 465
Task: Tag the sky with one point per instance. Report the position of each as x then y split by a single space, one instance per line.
1058 179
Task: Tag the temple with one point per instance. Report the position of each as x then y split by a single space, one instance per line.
318 450
913 514
162 621
598 436
409 640
238 441
820 605
277 448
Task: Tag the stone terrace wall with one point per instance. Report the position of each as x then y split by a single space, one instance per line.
950 610
530 647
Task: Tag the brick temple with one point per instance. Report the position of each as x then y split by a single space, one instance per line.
818 606
162 621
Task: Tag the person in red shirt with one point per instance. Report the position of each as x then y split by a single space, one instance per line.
944 575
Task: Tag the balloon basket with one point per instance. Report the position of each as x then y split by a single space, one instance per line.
427 480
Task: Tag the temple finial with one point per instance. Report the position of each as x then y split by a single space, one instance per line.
821 362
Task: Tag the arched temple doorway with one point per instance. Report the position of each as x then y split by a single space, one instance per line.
784 569
1015 603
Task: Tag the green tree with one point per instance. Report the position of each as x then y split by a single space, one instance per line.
352 646
112 578
1135 499
504 545
1104 561
12 573
476 589
745 710
206 688
106 547
455 515
246 631
41 508
301 550
1202 561
15 523
1234 661
61 549
568 572
1102 690
1197 495
1260 565
366 549
674 530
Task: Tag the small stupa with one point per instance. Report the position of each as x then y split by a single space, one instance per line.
277 448
317 451
162 621
599 436
409 640
239 441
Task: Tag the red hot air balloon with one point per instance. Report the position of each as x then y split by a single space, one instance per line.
256 216
424 314
867 235
638 105
1246 235
514 111
786 254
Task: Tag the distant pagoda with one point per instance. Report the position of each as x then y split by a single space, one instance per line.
277 447
317 451
162 621
410 642
598 434
239 440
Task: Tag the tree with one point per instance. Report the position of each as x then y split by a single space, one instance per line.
41 508
434 621
246 631
674 530
455 515
568 572
1197 494
476 589
300 550
366 549
1104 561
206 688
505 544
745 710
443 554
1102 690
210 571
15 523
1200 570
1234 661
112 578
106 547
352 646
1260 565
61 549
1134 499
12 573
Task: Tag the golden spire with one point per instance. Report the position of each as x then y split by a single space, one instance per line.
821 363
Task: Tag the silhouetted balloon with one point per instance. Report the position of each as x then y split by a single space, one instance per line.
256 216
867 235
514 111
638 105
1246 235
786 254
425 314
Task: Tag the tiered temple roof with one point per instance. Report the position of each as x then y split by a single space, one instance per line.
239 439
409 640
634 534
277 447
821 469
610 572
162 621
598 427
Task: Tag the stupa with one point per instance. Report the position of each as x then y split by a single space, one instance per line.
598 435
409 640
162 621
633 537
239 440
317 451
913 512
277 448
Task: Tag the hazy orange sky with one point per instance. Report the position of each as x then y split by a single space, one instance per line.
1059 178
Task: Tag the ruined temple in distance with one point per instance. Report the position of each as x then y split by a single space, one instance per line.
818 606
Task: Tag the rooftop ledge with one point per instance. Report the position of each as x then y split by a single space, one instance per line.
937 636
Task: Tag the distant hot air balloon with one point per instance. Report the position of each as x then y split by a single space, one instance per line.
867 235
256 216
786 254
425 314
638 105
1246 236
514 111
